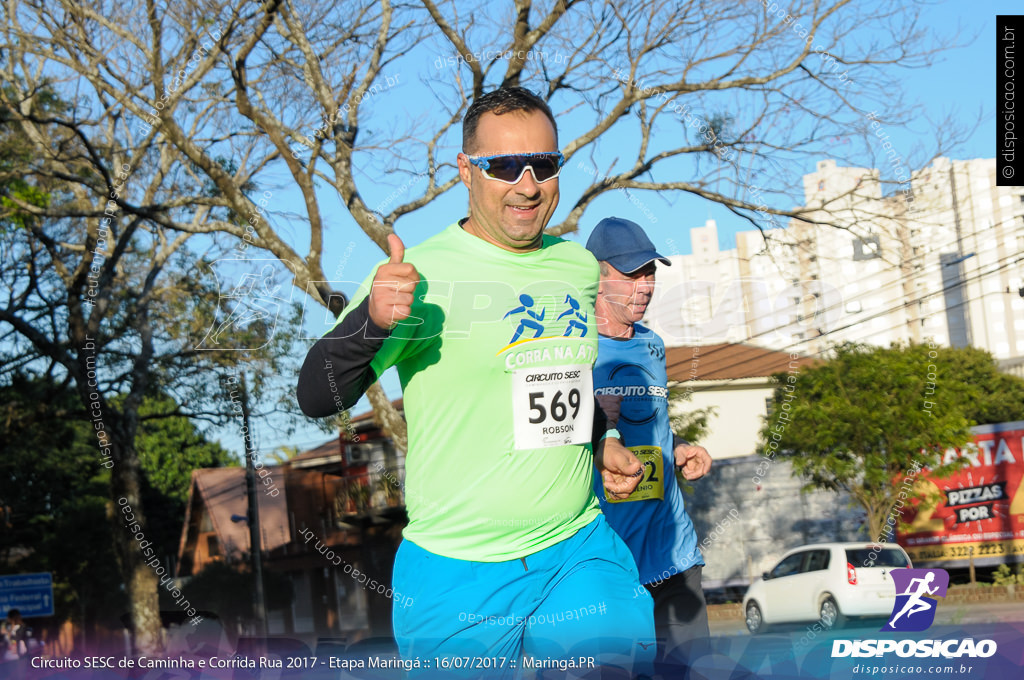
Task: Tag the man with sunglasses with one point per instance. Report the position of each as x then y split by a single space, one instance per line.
507 558
631 382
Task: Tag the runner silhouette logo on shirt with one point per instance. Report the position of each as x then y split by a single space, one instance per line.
528 317
916 590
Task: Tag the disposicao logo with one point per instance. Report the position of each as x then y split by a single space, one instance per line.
914 610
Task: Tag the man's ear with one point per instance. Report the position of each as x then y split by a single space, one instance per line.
465 168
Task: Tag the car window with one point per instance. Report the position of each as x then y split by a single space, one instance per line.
886 557
818 560
788 566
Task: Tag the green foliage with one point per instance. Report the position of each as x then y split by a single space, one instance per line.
1004 576
170 447
16 156
53 493
858 421
146 307
985 395
20 191
283 453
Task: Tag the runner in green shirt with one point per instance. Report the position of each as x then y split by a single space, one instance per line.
491 327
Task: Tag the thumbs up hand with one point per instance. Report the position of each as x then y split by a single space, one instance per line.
393 287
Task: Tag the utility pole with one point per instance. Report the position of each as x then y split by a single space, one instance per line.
255 545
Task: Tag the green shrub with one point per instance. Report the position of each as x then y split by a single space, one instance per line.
1004 576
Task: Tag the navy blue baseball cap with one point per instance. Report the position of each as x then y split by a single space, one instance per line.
623 244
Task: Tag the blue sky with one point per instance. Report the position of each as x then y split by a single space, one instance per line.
960 83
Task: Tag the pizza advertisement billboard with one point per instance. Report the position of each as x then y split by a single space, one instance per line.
977 512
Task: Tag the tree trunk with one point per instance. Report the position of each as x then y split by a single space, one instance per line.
876 521
140 579
387 416
115 431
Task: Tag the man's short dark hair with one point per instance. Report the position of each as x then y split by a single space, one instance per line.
500 101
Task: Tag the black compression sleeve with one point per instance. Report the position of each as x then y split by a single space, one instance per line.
337 369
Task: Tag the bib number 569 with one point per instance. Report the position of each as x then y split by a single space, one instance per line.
552 406
558 408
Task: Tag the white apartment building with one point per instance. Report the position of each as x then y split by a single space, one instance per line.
943 264
699 299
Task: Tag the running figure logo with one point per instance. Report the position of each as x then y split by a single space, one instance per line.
580 320
914 610
532 319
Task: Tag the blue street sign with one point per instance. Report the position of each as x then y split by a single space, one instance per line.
31 594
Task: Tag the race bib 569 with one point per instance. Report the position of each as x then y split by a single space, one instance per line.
552 406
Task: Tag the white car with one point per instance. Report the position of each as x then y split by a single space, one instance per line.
825 582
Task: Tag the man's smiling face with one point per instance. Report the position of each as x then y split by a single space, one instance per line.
511 216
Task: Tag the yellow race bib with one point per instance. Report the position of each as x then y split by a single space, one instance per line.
652 484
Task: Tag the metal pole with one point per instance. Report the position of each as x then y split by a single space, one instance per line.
970 556
256 550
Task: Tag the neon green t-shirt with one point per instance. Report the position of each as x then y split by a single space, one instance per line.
495 364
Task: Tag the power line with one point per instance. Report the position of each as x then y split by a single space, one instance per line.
978 277
901 305
824 311
925 272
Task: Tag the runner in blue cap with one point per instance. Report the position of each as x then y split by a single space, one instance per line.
630 377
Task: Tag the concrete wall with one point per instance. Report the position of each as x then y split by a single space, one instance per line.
745 526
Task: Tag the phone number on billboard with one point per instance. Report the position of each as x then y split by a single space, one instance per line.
948 552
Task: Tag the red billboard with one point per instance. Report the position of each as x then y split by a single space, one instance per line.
977 511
